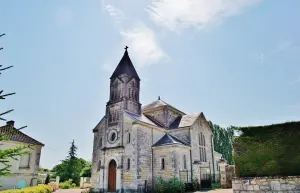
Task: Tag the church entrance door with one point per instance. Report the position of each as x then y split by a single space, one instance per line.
112 171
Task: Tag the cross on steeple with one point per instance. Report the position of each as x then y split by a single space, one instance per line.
126 48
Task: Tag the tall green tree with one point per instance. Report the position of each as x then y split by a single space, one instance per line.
6 155
223 140
71 167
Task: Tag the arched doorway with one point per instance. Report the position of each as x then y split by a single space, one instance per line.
112 173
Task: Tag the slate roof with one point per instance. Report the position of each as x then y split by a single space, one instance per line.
159 103
168 139
125 66
141 118
13 134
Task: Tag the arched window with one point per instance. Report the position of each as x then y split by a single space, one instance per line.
128 164
129 92
184 162
199 140
163 163
99 165
100 143
128 138
203 140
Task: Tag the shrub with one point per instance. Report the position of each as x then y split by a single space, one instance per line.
67 184
173 185
195 183
32 189
54 186
271 150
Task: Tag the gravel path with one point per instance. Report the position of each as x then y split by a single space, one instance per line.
68 191
219 191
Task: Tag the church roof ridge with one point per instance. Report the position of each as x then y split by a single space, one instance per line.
125 66
159 103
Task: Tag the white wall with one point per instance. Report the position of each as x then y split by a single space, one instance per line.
21 173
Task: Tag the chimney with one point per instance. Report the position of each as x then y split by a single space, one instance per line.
10 123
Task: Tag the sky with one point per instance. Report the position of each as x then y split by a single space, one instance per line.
236 61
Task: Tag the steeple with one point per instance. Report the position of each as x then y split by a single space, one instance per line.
125 66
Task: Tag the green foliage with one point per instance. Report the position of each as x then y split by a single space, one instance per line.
67 184
223 140
268 150
87 170
32 189
71 167
10 153
195 183
173 185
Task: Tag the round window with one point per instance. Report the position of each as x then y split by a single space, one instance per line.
112 136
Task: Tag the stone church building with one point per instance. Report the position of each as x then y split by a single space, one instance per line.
133 145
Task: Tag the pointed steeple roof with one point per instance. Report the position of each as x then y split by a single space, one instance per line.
125 66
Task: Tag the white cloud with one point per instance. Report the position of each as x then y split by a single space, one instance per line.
141 40
178 14
117 14
63 16
143 45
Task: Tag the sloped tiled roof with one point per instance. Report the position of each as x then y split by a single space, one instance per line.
125 66
159 103
141 118
13 134
168 139
188 120
184 121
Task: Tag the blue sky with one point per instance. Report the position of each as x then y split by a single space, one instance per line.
237 61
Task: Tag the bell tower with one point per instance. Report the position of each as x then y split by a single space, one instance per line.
124 95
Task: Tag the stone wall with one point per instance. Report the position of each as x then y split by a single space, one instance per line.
266 185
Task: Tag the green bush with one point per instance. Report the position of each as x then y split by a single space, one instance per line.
173 185
195 184
67 184
32 189
268 150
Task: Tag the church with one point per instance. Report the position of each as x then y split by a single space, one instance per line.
135 144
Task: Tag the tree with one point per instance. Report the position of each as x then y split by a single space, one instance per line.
87 170
9 153
223 140
71 167
72 152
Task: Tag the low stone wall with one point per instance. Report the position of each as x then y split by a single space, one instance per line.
266 185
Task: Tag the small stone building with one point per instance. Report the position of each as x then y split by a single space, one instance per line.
133 145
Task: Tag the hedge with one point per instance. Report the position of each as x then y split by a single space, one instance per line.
271 150
32 189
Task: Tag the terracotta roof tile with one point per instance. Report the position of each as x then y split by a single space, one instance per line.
16 135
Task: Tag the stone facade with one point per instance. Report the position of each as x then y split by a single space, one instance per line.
266 185
135 146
